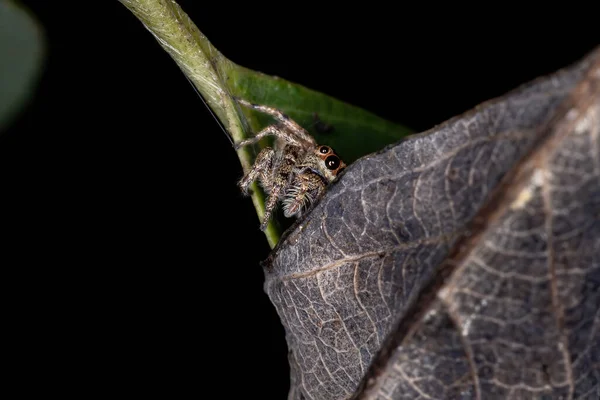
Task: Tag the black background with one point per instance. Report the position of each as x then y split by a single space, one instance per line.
120 198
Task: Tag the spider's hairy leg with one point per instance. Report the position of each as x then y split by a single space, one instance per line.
307 188
270 205
271 130
277 181
282 118
264 162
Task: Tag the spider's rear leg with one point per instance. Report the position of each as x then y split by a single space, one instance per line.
262 164
272 130
282 118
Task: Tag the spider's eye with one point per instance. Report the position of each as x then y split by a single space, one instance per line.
332 162
324 149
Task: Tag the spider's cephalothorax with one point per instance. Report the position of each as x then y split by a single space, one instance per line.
296 171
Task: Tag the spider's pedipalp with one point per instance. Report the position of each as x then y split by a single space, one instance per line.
306 188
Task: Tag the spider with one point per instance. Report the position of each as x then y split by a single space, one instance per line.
296 171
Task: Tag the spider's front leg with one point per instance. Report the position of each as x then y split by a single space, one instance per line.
262 165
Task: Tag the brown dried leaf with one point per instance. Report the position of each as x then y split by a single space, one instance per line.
475 244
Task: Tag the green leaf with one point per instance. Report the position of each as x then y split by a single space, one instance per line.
21 56
351 131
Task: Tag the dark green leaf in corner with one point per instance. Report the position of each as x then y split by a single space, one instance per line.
21 56
351 131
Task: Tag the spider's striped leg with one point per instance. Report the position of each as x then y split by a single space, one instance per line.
282 118
270 205
264 162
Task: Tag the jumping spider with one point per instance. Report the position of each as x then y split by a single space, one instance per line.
296 171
